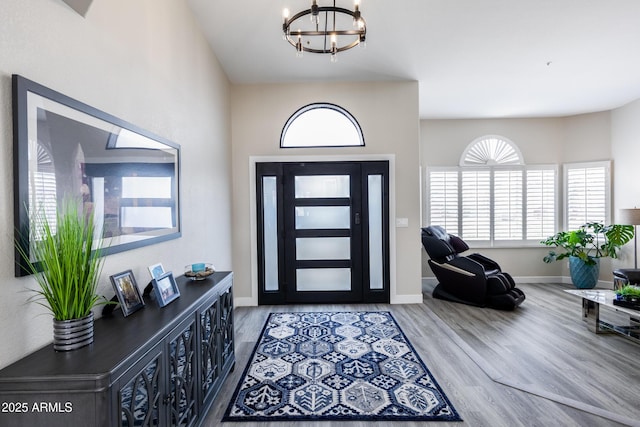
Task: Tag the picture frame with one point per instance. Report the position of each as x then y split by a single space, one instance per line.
166 289
156 270
112 157
126 288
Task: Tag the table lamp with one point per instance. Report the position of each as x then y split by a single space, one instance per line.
631 217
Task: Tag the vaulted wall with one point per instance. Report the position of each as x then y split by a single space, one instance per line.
143 61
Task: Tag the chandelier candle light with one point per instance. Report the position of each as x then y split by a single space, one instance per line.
331 29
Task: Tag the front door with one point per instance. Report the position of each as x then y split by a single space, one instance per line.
323 226
323 232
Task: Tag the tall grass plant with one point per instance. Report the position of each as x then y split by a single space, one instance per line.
65 263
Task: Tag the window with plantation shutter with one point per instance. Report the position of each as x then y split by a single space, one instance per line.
476 205
508 204
541 203
493 197
443 194
587 193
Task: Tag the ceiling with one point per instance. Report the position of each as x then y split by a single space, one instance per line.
471 58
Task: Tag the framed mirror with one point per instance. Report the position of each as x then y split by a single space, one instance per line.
126 176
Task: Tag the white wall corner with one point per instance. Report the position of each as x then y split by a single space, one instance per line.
80 6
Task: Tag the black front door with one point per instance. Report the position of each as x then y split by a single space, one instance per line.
323 227
321 241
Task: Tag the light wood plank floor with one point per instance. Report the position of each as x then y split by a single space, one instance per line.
497 368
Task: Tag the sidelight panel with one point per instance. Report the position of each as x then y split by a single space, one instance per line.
376 260
270 224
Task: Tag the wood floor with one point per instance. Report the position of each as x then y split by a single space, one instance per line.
535 366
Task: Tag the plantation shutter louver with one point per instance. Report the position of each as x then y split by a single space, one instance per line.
476 204
508 208
541 203
587 194
443 200
43 194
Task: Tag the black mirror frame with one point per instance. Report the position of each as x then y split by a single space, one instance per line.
21 87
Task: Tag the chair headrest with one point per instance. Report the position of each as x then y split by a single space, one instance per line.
436 231
439 244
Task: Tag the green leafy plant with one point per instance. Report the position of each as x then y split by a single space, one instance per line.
592 240
66 264
628 291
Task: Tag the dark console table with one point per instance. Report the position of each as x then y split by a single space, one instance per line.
156 367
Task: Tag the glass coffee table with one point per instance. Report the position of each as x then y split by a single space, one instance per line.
593 300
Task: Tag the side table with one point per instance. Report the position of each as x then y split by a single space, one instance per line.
592 300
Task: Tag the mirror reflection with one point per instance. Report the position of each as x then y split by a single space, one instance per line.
125 176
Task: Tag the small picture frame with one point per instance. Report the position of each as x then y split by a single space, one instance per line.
126 288
156 270
166 288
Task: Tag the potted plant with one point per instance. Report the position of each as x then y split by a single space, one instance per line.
66 267
629 293
585 246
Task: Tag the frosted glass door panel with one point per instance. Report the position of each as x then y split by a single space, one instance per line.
270 224
323 279
323 217
375 232
309 248
322 186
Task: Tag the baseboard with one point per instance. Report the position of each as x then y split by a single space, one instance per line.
540 279
407 299
398 299
534 279
245 302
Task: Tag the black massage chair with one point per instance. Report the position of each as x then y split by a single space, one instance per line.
473 279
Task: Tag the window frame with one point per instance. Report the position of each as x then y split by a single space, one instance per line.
606 164
492 242
321 105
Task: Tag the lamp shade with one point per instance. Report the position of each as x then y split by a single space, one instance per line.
629 216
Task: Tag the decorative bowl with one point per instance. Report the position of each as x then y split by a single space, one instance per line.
199 271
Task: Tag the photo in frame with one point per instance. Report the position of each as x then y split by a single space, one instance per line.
126 288
166 289
156 270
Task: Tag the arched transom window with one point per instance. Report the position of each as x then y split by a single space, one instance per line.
491 150
321 125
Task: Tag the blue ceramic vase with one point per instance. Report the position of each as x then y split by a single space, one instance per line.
584 276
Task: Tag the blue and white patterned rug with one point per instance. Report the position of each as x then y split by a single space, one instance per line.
337 366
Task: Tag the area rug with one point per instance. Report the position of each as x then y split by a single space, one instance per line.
336 366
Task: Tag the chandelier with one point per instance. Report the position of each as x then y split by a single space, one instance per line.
328 29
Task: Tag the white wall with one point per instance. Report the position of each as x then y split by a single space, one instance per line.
145 62
388 115
542 141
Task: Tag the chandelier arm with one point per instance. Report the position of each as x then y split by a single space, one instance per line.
322 33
